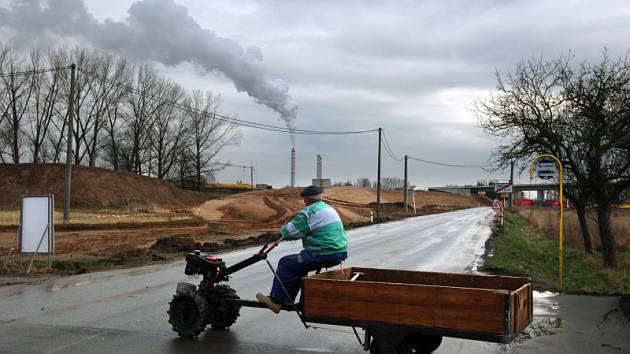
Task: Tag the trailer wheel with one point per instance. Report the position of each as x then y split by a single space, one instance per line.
222 311
419 343
187 312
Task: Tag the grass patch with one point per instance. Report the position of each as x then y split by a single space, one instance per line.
523 249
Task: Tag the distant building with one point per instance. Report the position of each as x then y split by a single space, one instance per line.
323 183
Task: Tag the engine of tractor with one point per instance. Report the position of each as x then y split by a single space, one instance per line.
198 263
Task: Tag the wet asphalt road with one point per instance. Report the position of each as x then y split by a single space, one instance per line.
124 311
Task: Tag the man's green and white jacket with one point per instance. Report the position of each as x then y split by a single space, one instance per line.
319 227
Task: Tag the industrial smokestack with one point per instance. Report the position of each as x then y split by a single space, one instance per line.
292 167
319 170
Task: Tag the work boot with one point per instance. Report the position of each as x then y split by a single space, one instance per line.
270 303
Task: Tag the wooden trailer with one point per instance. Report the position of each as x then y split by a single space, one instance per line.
415 309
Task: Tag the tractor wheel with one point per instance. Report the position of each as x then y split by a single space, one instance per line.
187 313
222 312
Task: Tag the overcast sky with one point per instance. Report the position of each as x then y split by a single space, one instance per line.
411 67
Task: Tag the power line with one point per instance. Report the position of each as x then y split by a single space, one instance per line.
32 72
224 118
447 164
390 152
388 148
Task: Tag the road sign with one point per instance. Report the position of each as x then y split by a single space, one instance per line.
546 169
503 188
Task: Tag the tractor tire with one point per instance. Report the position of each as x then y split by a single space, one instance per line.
187 313
222 313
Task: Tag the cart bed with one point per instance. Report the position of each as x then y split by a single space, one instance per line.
491 308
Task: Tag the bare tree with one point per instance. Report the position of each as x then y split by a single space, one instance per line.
209 133
56 136
102 97
141 107
115 111
45 103
392 182
4 103
127 117
574 113
14 106
364 182
169 130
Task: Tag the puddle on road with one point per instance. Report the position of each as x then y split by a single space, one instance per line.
545 304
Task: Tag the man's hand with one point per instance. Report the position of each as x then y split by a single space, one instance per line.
276 237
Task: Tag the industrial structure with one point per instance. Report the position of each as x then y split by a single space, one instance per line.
318 180
292 167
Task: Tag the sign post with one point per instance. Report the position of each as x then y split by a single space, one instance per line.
547 170
503 188
37 230
505 191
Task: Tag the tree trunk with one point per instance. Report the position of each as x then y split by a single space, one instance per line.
606 235
586 237
15 138
198 163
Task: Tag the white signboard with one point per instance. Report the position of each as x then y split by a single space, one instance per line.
37 224
503 188
546 169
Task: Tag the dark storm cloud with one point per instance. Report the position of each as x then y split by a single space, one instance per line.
157 30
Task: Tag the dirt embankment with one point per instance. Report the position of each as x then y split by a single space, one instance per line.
271 208
92 187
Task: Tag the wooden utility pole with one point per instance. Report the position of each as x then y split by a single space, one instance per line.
378 178
69 154
406 188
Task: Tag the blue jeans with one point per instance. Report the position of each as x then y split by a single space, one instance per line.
294 267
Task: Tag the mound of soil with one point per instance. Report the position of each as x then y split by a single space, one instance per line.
92 187
186 243
364 196
175 243
271 208
265 206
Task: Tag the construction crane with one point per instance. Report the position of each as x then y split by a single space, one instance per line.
250 167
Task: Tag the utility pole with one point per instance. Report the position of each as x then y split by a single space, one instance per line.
251 173
405 188
378 178
511 195
68 172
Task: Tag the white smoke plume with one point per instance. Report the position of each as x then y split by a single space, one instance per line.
158 30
